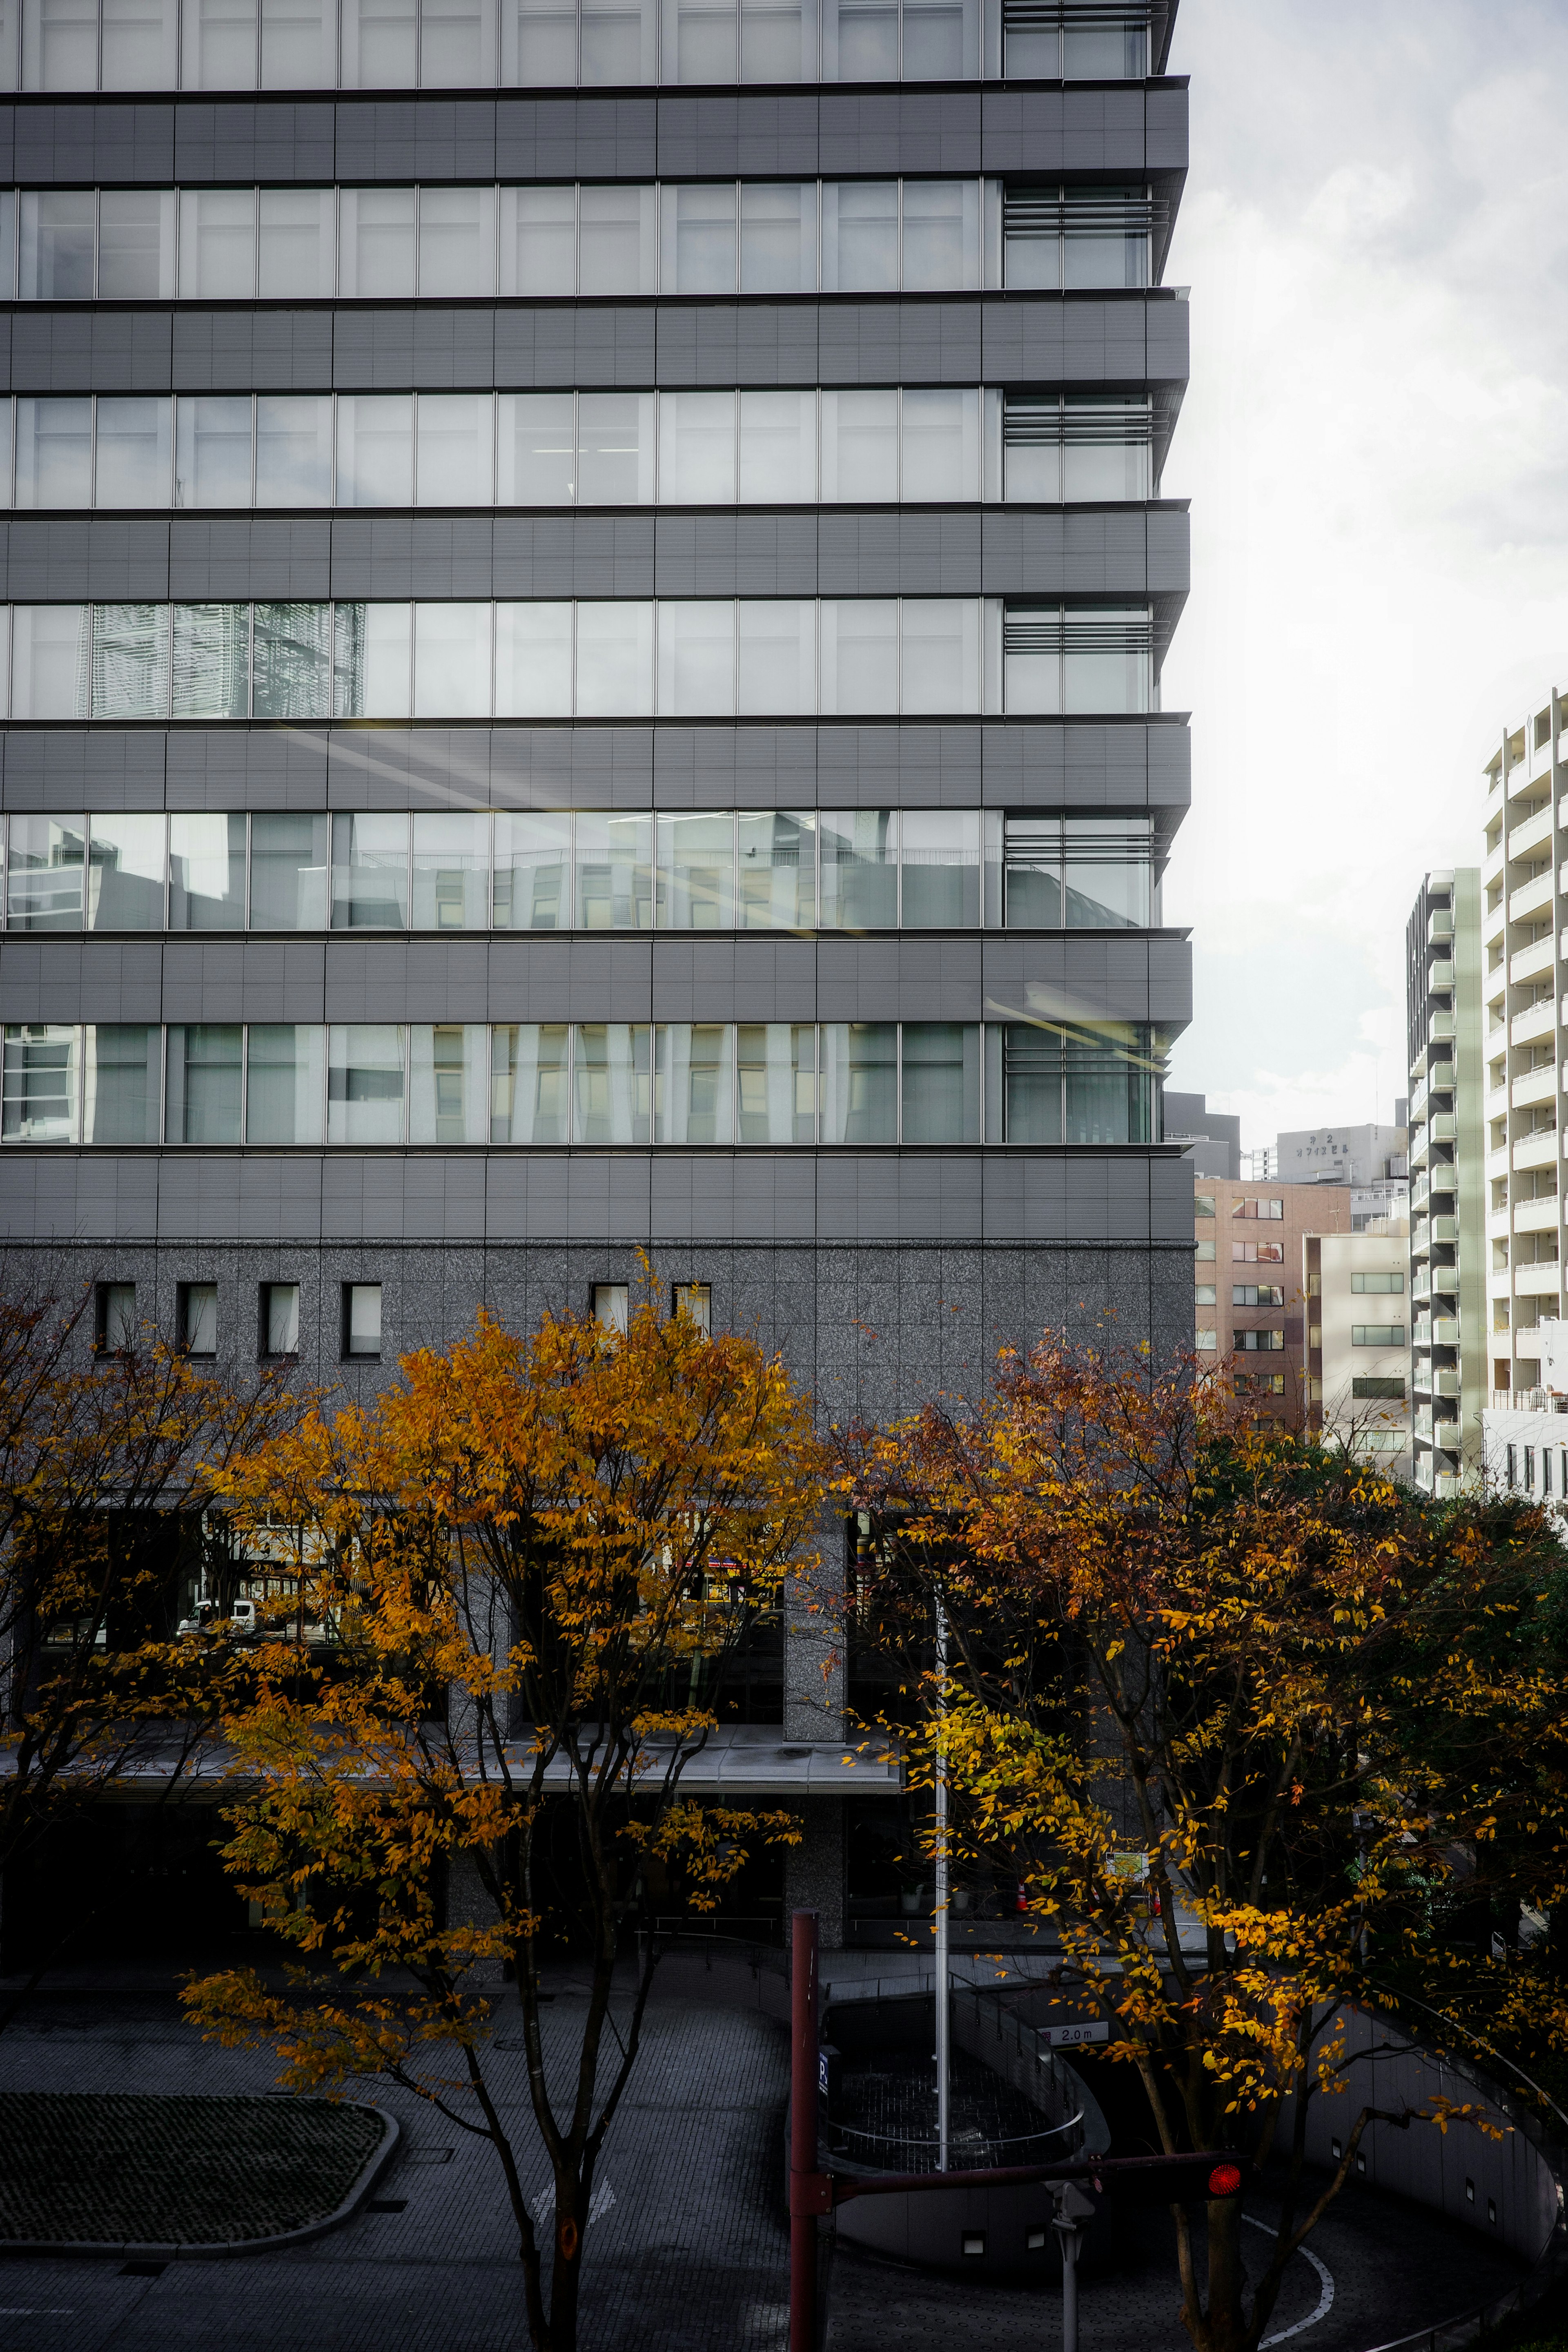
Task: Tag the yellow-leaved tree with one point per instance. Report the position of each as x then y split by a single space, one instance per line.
535 1556
1254 1732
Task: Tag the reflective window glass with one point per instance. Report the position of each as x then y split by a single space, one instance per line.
290 853
694 1082
533 661
779 238
778 870
538 241
369 872
940 654
377 257
530 1067
615 660
44 873
284 1089
1108 451
612 1083
57 245
364 1082
778 40
1031 1084
776 1082
206 872
39 1083
449 1083
620 43
50 661
131 661
940 435
698 239
1103 52
615 448
1109 873
372 660
457 45
450 871
697 448
941 40
537 448
297 245
217 243
54 452
211 450
60 45
299 46
452 661
859 237
1106 662
212 661
860 40
205 1071
1031 872
136 245
778 448
618 241
940 865
122 1083
293 661
615 872
859 447
859 856
941 1082
860 1081
293 451
533 870
375 449
539 43
456 448
218 50
696 658
699 43
941 235
1105 241
456 240
279 1312
777 659
860 655
125 873
380 45
134 453
696 872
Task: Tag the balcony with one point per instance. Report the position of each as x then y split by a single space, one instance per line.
1538 1216
1535 1021
1446 1383
1445 1331
1439 1029
1531 833
1534 1087
1420 1287
1442 1179
1445 1229
1440 1126
1440 974
1439 925
1422 1422
1420 1236
1447 1484
1536 1150
1445 1277
1420 1193
1419 1146
1529 962
1531 899
1542 1280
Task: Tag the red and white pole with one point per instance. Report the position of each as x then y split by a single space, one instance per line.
804 2199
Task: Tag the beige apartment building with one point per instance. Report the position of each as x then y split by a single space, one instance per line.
1358 1362
1248 1278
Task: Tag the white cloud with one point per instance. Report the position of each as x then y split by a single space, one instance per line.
1375 442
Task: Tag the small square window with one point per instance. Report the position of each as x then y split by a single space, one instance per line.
1035 2241
1360 2161
199 1318
280 1318
361 1319
696 1299
1335 2150
974 2241
1492 2208
1469 2192
609 1305
116 1316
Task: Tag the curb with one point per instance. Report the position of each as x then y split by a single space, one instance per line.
222 2249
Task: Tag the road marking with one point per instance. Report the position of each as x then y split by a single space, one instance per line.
1325 2290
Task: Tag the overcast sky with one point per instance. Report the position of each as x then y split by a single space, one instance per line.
1375 443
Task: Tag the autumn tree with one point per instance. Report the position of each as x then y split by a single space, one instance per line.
539 1556
107 1461
1252 1726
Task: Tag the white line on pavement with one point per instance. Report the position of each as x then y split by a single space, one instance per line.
1325 2291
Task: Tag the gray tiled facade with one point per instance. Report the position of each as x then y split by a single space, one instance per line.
883 1274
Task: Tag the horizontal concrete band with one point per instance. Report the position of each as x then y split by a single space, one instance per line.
1124 976
1085 763
1125 551
1135 337
669 133
1085 1195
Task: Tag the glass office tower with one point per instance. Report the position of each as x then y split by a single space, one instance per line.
580 651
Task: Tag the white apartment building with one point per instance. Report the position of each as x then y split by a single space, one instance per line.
1358 1331
1525 977
1449 1368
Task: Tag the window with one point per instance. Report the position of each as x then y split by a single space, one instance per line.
696 1299
1370 1385
365 1083
1204 1252
1253 1207
1204 1293
1380 1285
609 1305
1094 44
361 1319
1059 236
1258 1383
1065 1082
207 873
117 1330
1259 1342
1077 658
1546 1469
39 1083
449 1075
1081 448
860 1082
44 873
205 1067
199 1318
450 871
125 873
1257 1252
1203 1206
280 1318
1377 1335
1207 1342
1256 1294
122 1079
1512 1466
1530 1469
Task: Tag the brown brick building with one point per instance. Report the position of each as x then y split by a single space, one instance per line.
1248 1300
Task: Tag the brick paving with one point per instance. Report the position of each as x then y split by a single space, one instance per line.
690 2256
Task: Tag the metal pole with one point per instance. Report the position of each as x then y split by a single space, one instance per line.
1069 2237
943 2021
804 2042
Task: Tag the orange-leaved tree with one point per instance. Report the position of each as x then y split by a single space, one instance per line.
538 1556
1254 1731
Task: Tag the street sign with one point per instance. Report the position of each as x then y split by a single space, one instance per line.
1072 2037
